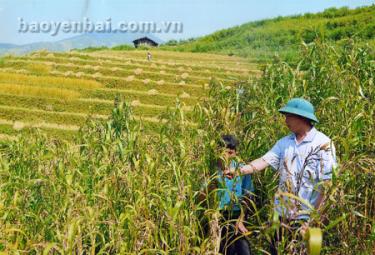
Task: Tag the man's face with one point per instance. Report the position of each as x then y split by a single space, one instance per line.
294 122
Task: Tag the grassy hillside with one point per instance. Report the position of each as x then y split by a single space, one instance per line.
58 91
262 39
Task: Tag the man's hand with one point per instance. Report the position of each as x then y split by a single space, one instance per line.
247 169
240 226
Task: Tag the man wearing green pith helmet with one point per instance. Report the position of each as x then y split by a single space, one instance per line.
304 159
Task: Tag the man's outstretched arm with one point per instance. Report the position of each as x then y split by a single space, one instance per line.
271 158
254 166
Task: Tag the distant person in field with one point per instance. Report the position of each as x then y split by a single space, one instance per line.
234 196
149 56
304 159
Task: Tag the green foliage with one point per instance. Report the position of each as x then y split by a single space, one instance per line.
119 48
92 49
334 12
171 43
261 40
123 47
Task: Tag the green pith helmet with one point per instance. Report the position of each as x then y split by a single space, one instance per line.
300 107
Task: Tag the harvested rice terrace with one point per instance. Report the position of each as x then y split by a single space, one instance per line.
57 92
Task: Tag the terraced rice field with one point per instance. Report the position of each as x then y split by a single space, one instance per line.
57 92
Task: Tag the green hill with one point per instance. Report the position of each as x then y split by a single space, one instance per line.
261 39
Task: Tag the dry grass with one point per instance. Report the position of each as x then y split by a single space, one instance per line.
138 71
146 81
130 78
68 74
97 75
80 74
161 82
184 95
135 103
4 137
39 68
152 92
115 69
151 72
184 75
50 81
20 125
26 90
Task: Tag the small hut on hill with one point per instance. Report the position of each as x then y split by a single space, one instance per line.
145 41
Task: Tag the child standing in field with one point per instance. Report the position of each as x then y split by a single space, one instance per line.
233 195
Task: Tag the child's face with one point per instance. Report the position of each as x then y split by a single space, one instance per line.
230 153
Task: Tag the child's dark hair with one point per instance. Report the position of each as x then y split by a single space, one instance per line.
229 141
